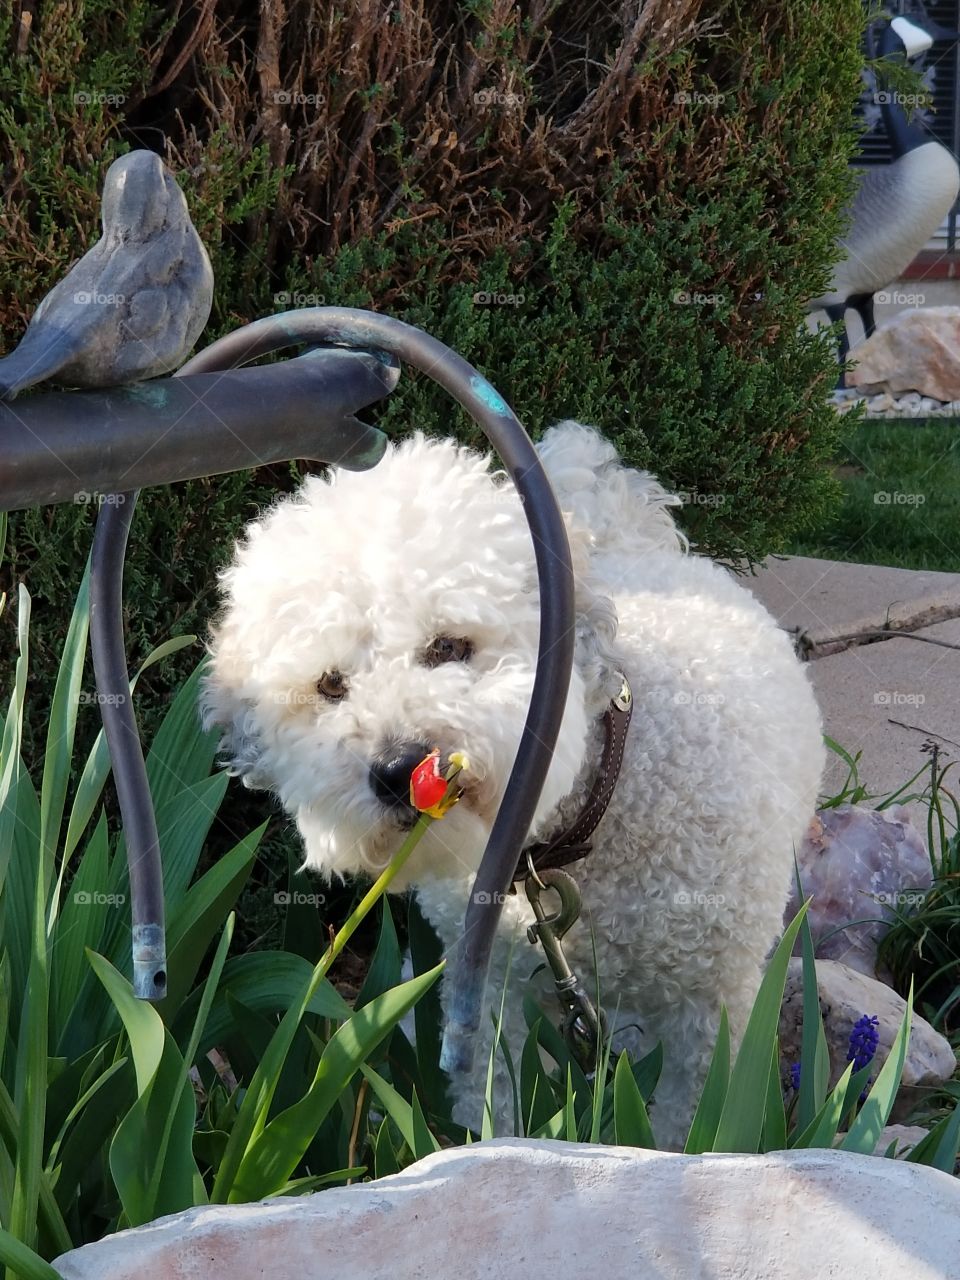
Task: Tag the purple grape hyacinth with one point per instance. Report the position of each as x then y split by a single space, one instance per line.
864 1039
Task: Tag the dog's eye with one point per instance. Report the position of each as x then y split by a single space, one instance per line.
332 686
446 649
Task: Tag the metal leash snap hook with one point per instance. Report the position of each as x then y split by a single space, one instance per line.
567 891
583 1027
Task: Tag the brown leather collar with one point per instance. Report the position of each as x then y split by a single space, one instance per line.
571 845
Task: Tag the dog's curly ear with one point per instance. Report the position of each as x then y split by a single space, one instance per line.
240 750
609 510
624 510
596 654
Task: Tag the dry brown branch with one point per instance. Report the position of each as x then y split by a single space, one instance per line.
189 47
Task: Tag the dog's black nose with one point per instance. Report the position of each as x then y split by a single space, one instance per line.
390 772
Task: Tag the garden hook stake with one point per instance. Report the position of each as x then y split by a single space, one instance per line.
583 1026
394 340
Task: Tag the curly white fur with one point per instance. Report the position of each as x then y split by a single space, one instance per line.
690 872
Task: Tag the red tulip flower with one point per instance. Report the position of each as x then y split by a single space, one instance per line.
430 790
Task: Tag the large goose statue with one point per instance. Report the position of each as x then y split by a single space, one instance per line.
897 206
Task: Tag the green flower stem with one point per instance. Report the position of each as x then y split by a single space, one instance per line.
252 1118
380 885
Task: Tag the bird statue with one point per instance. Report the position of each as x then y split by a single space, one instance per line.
135 304
898 206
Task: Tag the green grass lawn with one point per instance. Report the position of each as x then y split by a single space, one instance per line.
901 498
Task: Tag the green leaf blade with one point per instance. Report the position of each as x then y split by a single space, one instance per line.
741 1121
631 1121
273 1156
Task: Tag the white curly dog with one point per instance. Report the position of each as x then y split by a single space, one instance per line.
374 616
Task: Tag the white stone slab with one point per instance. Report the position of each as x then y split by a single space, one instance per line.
509 1210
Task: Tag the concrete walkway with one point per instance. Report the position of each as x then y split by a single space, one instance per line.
886 698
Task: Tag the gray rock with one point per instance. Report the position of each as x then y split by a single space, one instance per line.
514 1208
845 996
858 864
134 305
906 1136
916 351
